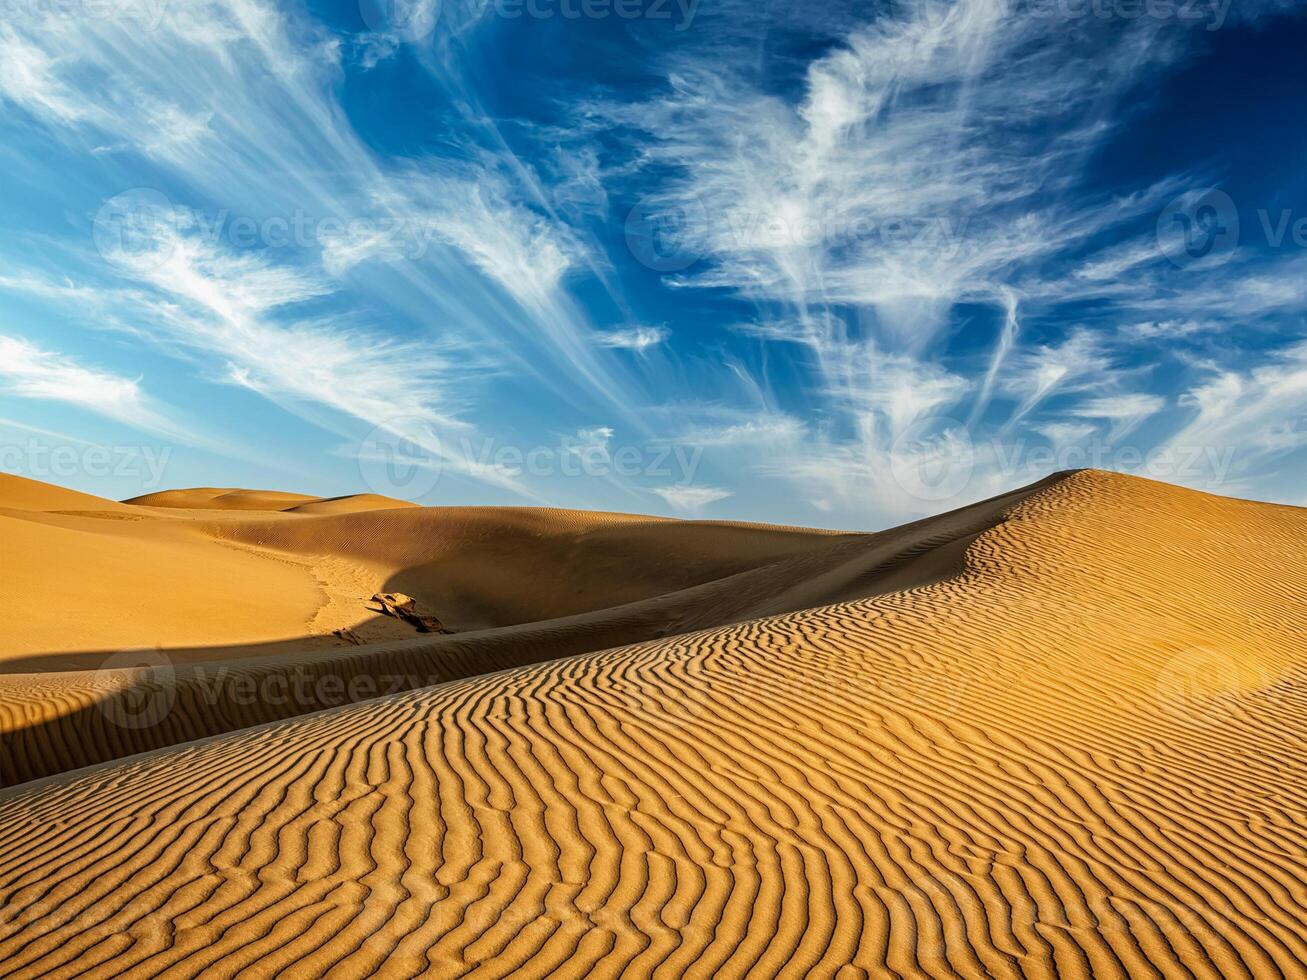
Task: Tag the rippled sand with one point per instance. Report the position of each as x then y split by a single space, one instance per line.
1059 733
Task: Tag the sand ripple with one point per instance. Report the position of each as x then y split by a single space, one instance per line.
1080 756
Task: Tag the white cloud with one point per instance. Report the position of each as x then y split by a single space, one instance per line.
1125 412
1261 413
911 174
597 436
590 444
394 23
692 500
1064 434
233 308
1165 329
278 144
1111 265
776 432
1077 363
29 371
29 79
638 338
517 248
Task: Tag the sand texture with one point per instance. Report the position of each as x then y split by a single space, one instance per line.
1060 733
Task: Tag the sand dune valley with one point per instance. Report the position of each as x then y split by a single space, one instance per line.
1057 733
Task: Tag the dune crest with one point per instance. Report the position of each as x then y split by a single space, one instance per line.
1077 753
615 579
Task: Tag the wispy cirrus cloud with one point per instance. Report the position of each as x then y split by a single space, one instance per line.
912 172
931 159
1262 410
1125 411
899 238
29 78
239 309
1077 363
29 371
480 263
636 338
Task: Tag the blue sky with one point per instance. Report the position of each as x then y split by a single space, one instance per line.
843 264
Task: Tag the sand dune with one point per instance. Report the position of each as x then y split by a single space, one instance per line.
1074 747
214 574
649 572
232 498
84 574
19 493
348 504
221 498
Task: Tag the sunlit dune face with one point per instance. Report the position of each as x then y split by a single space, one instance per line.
733 750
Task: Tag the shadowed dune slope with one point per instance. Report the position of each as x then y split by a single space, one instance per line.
53 721
349 504
213 574
484 567
1079 755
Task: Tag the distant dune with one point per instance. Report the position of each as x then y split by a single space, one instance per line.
1059 733
221 498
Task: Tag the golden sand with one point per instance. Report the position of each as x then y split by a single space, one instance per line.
1058 733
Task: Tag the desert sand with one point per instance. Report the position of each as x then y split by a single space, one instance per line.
1056 733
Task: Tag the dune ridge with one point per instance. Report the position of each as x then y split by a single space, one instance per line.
1077 754
278 572
54 721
